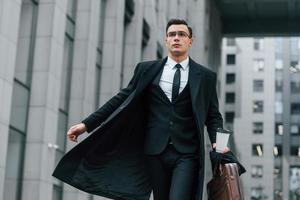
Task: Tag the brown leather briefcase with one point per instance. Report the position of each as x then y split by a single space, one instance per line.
225 185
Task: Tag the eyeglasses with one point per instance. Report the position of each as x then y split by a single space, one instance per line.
180 34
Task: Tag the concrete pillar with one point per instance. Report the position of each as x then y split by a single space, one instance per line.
172 9
112 49
84 70
199 21
9 28
82 96
149 51
133 42
44 100
285 168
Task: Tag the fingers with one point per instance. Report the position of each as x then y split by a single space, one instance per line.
73 138
73 134
227 149
214 145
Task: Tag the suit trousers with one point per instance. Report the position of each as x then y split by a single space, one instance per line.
173 174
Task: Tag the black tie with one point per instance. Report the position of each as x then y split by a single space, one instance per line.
176 83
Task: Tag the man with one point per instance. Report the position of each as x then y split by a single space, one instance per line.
150 136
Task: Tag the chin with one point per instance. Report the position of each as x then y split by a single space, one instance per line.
177 53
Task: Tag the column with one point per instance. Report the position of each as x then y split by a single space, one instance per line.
44 100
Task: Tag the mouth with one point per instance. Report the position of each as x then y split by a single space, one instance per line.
176 45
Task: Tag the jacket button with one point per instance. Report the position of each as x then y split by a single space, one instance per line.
171 123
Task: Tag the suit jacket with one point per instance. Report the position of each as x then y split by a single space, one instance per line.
110 162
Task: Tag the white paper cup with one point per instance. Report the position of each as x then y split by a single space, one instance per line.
222 141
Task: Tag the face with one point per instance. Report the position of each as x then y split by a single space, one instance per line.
178 41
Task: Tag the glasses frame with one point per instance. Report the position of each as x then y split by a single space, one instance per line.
181 34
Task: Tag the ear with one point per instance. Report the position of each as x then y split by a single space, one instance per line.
191 41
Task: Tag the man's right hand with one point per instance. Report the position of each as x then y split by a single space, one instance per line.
75 131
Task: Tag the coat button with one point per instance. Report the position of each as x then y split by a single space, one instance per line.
171 123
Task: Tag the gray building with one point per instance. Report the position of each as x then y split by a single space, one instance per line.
260 101
62 59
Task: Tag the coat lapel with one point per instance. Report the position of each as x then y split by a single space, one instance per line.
149 74
195 78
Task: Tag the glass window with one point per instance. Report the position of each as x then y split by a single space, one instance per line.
91 197
19 106
257 193
129 10
258 44
230 78
295 108
230 59
295 129
258 106
230 97
295 151
294 63
101 24
295 86
258 127
278 85
66 74
278 107
146 33
278 64
57 193
98 83
257 149
25 45
71 8
229 117
279 128
257 171
62 130
277 150
258 85
277 172
294 184
14 165
258 65
159 51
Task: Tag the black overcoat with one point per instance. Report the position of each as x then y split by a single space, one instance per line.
110 162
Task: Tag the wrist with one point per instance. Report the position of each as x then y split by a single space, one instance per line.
214 145
84 128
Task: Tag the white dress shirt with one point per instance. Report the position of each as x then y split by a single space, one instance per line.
166 80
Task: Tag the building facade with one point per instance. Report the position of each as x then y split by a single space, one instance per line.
260 101
62 59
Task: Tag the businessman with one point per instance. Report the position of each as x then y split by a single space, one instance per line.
149 136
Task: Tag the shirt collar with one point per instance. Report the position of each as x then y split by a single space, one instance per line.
184 64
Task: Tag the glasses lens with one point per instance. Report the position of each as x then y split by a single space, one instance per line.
179 33
182 34
172 34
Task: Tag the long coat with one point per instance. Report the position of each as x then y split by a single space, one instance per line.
110 162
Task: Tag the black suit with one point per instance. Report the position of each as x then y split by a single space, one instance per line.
110 162
170 142
169 121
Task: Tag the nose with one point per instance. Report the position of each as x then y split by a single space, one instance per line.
176 38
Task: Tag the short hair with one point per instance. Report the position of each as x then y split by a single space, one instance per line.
177 22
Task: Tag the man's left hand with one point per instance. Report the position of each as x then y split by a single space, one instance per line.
227 149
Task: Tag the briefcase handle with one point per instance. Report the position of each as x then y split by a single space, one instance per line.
218 170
